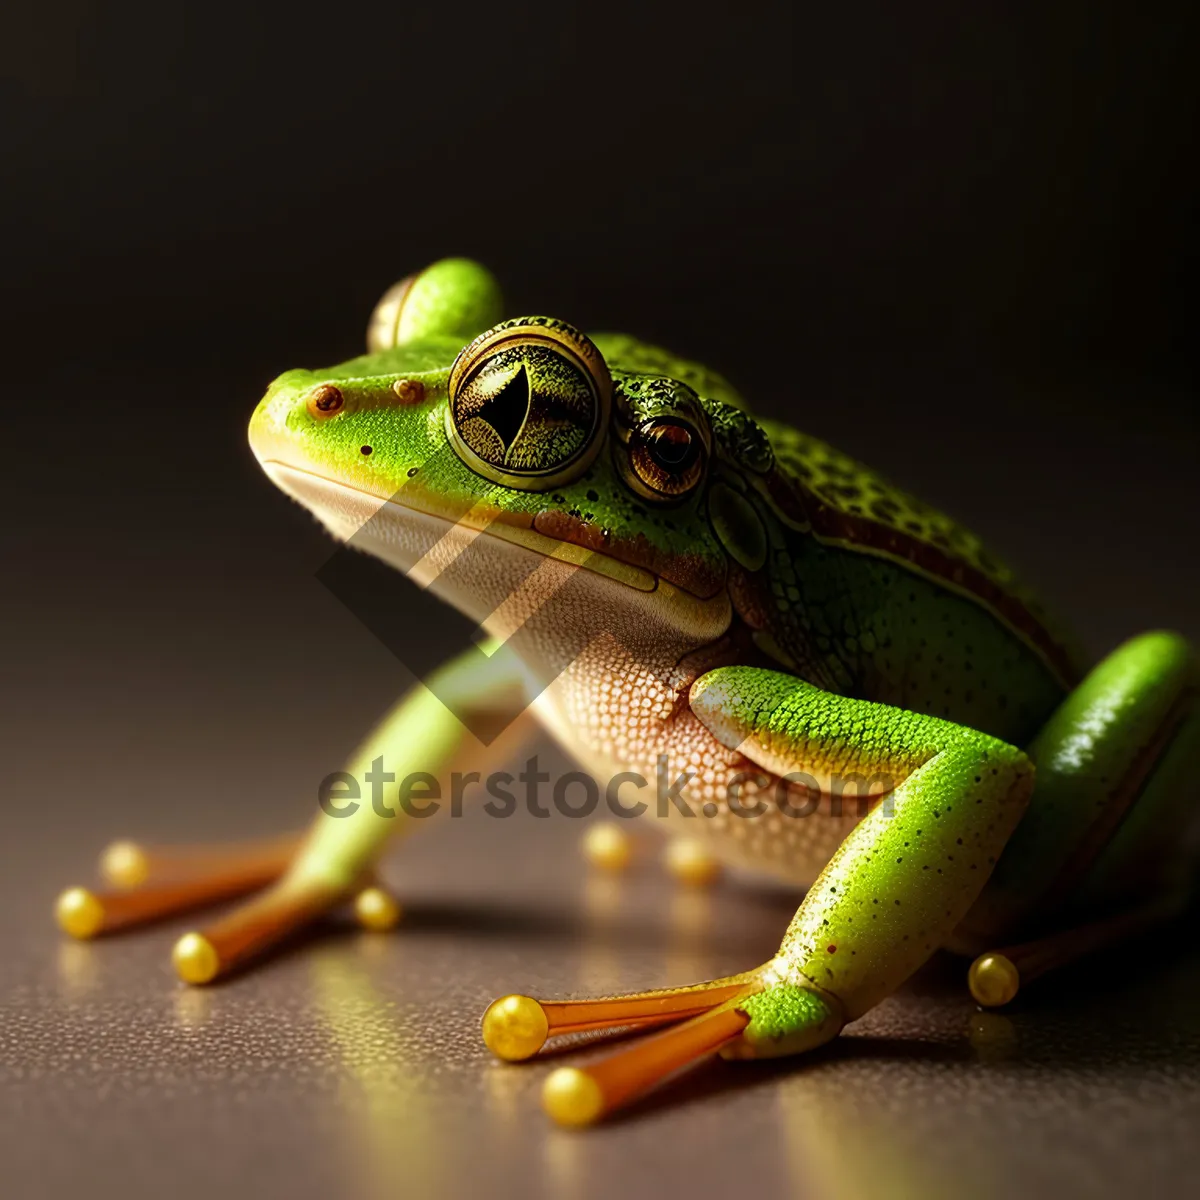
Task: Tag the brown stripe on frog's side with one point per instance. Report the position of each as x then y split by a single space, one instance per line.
859 533
843 503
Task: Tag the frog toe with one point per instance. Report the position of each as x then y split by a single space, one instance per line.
149 883
703 1018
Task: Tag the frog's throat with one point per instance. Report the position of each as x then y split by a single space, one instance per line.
508 577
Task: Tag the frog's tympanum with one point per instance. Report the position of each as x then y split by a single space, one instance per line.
843 687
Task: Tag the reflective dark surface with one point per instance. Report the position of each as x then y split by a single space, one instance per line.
174 670
352 1065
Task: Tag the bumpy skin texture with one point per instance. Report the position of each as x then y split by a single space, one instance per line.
907 875
787 612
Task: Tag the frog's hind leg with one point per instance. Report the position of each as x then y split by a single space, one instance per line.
1102 854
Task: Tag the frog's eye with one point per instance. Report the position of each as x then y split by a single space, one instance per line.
529 403
666 455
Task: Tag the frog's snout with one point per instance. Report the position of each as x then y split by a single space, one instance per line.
268 433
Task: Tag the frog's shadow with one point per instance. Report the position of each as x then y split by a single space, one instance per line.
1084 1017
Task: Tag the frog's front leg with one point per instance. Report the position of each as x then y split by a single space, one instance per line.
304 876
889 897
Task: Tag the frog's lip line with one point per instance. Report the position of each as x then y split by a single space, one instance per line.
592 560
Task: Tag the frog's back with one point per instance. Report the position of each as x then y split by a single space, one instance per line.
876 594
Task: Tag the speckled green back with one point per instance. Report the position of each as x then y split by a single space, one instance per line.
875 594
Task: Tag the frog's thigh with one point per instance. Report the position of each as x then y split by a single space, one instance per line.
1116 769
1152 848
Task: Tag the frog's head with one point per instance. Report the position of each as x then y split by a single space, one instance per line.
485 463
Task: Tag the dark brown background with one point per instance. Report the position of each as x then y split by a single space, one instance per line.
958 242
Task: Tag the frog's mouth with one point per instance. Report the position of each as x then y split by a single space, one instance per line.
501 574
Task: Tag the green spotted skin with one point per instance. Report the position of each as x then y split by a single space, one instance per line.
867 626
907 875
787 1018
854 631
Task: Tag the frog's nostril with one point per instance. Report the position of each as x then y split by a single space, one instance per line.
409 391
324 400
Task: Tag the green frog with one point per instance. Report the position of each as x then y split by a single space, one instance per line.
732 626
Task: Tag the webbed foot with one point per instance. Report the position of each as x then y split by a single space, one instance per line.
755 1014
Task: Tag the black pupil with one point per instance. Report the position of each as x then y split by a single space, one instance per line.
671 446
